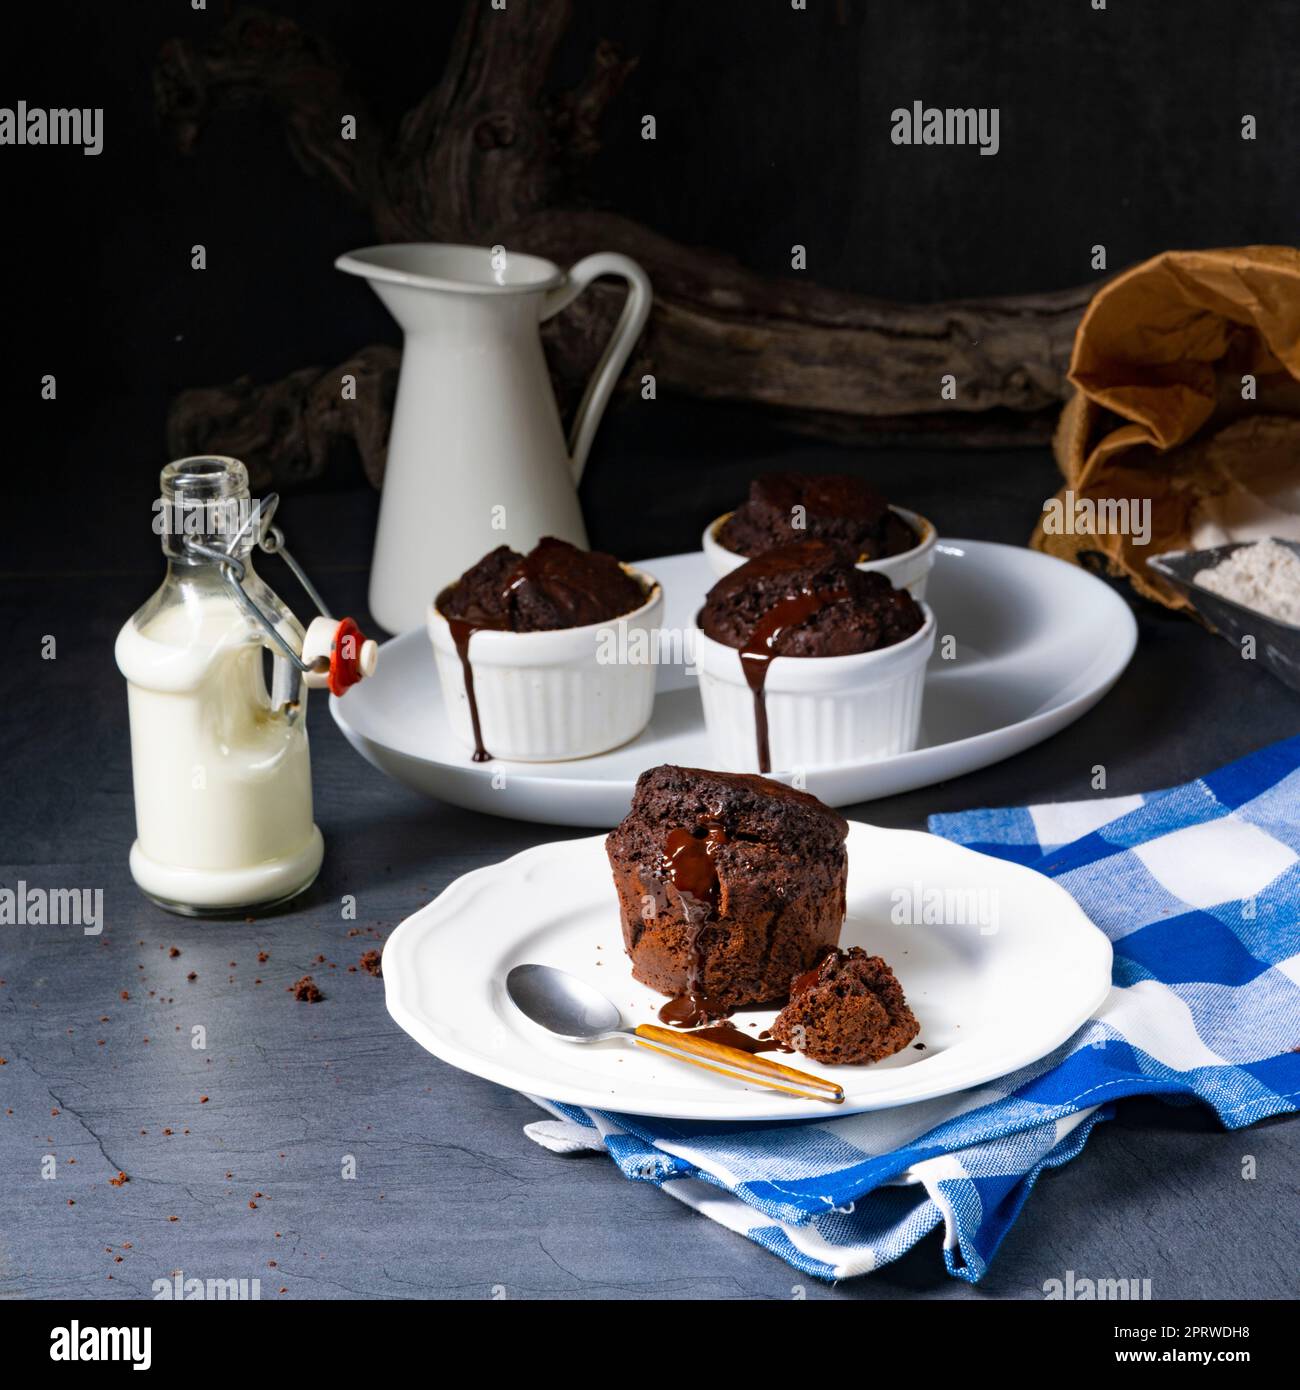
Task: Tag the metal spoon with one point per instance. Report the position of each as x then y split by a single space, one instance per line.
578 1012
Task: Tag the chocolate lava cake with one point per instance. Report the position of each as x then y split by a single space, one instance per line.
837 508
833 608
847 1008
556 585
729 885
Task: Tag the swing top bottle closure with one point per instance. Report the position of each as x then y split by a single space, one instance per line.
220 764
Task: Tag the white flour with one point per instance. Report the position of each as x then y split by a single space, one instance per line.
1264 576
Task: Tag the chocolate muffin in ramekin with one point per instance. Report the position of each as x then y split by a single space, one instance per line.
842 510
806 660
537 656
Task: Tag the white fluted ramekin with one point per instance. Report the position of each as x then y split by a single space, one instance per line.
549 696
907 570
821 710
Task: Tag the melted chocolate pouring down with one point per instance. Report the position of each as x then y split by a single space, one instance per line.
757 653
462 629
461 632
688 865
690 1010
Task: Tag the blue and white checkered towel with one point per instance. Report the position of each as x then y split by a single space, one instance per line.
1198 889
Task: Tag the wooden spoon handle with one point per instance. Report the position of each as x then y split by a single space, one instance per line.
753 1066
751 1077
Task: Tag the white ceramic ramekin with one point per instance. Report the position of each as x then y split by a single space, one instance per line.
821 710
549 696
908 570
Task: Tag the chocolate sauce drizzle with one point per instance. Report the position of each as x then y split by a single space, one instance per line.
757 653
688 862
802 983
461 631
688 865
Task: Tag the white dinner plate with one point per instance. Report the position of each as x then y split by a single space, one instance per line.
1010 973
1035 643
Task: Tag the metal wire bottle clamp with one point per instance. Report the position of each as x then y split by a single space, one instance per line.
335 654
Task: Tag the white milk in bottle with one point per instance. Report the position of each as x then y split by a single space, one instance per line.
220 766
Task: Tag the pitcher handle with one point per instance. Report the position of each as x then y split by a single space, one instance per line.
636 309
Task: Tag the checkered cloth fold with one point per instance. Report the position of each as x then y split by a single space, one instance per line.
1198 888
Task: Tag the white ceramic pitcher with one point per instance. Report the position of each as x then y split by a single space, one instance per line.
476 454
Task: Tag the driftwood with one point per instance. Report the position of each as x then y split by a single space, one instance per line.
298 429
490 156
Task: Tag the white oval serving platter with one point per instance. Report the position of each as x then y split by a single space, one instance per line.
1035 643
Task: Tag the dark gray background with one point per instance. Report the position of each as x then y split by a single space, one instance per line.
1118 127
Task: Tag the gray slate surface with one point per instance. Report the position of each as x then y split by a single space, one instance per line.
450 1198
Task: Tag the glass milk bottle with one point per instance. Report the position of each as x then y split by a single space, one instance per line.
220 764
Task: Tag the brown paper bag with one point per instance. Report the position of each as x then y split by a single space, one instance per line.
1186 412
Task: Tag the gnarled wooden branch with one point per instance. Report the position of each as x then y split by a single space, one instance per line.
489 156
299 429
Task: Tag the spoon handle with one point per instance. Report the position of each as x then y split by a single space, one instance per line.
750 1077
759 1070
